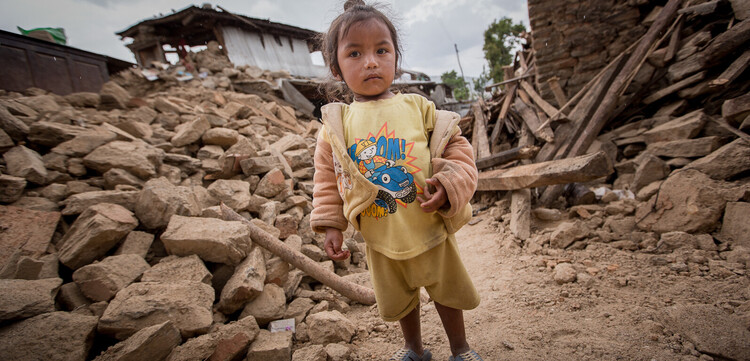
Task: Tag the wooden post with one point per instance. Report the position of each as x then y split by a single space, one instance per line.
559 93
479 135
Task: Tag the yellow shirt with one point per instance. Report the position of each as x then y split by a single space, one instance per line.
389 140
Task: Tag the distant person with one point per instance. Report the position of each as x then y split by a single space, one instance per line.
374 158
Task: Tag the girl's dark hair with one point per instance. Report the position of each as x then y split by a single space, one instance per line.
354 12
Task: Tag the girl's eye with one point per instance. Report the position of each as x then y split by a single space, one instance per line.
382 51
354 54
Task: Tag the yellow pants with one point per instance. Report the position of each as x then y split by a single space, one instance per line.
439 270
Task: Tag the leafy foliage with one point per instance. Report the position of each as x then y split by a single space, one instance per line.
499 40
458 84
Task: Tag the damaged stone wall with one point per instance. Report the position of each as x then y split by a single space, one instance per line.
573 40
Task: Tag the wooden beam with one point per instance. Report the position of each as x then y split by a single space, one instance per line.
674 43
541 103
734 70
532 121
520 206
517 153
684 83
489 87
557 90
509 95
579 169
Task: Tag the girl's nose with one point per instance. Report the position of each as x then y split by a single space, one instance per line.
371 62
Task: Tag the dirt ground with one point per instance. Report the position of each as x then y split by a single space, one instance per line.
525 315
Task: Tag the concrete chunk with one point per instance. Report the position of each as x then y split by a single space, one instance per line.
330 327
213 240
269 306
173 269
100 281
190 132
135 157
160 200
650 169
224 343
96 231
245 284
234 193
145 304
268 346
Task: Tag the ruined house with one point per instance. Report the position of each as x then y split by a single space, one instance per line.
245 40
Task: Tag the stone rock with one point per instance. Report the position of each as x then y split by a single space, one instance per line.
310 353
71 298
25 233
83 99
271 184
116 176
186 163
688 201
650 169
11 188
223 137
268 346
50 134
160 200
136 157
5 141
113 96
234 193
27 298
173 269
647 191
224 343
670 241
151 343
268 212
36 203
213 240
245 284
14 127
689 148
725 162
100 281
96 231
78 203
287 224
85 142
209 152
622 227
260 165
135 128
547 214
338 352
54 336
299 159
144 304
314 252
568 232
136 242
684 127
710 329
268 306
290 142
330 327
735 226
277 271
190 132
564 273
25 163
298 309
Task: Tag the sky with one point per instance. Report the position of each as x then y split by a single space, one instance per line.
428 28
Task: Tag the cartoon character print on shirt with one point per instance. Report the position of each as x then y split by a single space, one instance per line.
385 161
343 179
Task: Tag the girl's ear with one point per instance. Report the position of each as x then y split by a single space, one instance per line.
336 74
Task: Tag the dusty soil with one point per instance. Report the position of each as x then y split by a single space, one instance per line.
616 314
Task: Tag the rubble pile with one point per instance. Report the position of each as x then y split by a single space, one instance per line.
112 233
652 155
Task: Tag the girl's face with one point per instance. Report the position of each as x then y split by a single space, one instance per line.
367 59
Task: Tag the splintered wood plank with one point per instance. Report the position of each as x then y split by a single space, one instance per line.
684 83
533 122
557 90
479 136
523 152
734 70
569 170
541 103
520 213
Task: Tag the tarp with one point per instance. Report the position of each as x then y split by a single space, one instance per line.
58 34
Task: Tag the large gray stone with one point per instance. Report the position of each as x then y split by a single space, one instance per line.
96 231
160 200
24 298
225 342
330 327
688 201
100 281
135 157
245 284
710 329
78 203
55 336
173 269
151 343
144 304
213 240
25 163
269 306
725 162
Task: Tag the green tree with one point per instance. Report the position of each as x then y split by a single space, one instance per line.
458 84
481 81
499 40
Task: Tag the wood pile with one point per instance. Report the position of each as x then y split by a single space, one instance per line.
682 84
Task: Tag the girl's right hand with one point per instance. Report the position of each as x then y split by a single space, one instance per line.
333 242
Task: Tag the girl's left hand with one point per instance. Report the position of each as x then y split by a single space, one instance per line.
431 202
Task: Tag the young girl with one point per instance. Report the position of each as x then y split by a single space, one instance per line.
374 159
